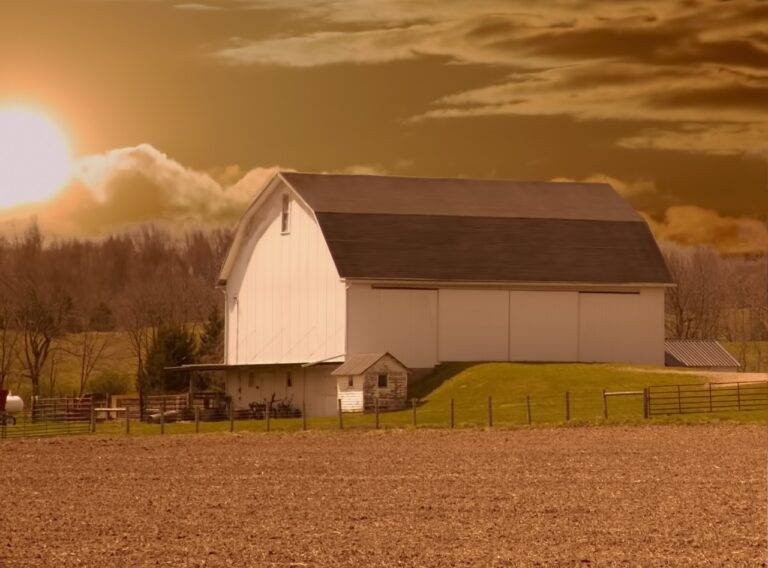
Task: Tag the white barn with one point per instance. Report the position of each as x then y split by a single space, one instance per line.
325 267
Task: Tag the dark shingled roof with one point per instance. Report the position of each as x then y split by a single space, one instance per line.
396 228
423 229
697 353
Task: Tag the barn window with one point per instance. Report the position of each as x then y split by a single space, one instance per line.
351 382
288 380
383 380
285 218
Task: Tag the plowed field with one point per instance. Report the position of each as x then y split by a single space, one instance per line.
651 496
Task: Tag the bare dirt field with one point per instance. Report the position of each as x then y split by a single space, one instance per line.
635 496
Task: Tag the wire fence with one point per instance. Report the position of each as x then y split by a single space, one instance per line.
206 413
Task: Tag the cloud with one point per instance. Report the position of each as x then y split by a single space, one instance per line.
140 184
692 226
701 66
623 188
198 7
720 139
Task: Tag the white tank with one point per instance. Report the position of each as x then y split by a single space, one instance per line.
14 403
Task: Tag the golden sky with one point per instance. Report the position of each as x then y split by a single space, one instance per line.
168 104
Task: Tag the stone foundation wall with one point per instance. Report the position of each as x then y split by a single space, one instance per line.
394 395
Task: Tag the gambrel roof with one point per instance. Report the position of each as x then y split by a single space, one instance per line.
466 230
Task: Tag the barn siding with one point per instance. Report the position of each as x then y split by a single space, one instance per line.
424 327
622 328
285 300
399 321
543 326
315 384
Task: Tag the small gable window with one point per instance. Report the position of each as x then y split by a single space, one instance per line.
288 380
383 380
285 218
351 382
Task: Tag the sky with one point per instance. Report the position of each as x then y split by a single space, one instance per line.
177 111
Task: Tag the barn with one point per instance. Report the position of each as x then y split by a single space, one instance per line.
324 268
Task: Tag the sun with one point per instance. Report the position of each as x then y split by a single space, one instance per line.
35 156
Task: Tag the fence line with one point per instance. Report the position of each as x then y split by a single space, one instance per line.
168 413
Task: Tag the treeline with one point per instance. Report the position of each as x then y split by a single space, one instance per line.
716 297
72 296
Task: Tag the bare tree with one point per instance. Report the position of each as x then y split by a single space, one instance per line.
89 348
41 315
8 340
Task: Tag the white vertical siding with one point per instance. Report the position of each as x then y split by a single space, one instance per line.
424 327
316 385
286 300
473 325
352 399
402 322
543 326
622 328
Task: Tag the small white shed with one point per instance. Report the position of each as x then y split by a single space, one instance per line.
366 377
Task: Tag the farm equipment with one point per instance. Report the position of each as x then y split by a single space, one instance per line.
9 404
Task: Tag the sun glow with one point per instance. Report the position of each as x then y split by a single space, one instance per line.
34 156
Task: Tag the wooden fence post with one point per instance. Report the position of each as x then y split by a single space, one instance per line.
679 401
268 410
605 405
710 397
341 420
490 411
127 420
303 414
453 414
413 412
528 407
738 396
376 410
162 415
232 416
646 403
197 419
92 416
567 406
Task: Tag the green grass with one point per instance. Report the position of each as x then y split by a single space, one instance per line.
753 355
470 385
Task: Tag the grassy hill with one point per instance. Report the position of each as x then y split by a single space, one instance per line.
470 384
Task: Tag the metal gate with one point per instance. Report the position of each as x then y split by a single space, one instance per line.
707 397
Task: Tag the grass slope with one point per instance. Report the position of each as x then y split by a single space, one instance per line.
469 385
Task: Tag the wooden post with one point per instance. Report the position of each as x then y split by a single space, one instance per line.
232 416
738 396
268 411
453 414
710 397
528 407
127 419
341 420
605 405
413 412
646 403
93 416
679 401
567 406
303 414
197 419
376 410
490 411
162 415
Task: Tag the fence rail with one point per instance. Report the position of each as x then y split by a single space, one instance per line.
707 397
182 413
